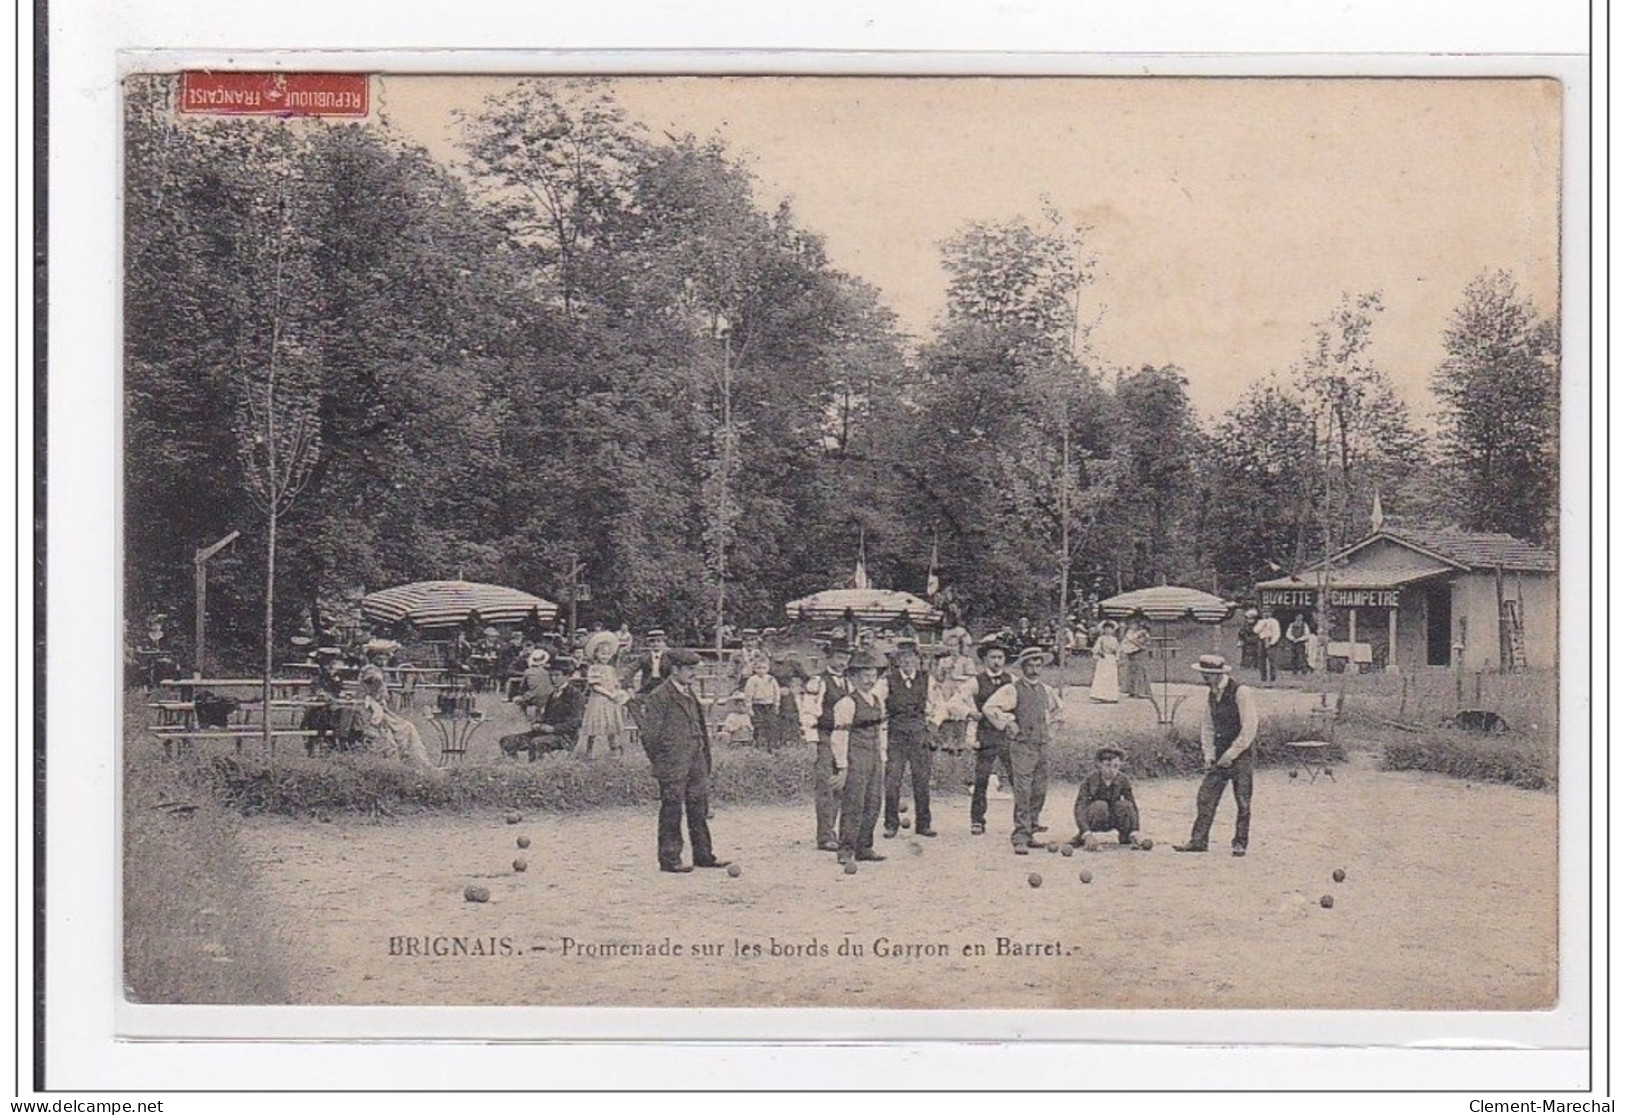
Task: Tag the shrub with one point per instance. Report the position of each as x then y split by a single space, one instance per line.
298 786
1514 759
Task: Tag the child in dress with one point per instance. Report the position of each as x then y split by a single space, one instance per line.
603 724
737 728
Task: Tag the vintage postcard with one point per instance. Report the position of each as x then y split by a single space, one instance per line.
944 543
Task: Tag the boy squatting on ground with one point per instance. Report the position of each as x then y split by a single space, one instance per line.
1106 802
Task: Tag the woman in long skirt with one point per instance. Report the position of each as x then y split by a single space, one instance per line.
385 731
1134 660
1104 688
603 724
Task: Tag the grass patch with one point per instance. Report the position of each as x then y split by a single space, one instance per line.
298 786
192 931
1515 759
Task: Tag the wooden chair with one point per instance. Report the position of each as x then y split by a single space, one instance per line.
1309 755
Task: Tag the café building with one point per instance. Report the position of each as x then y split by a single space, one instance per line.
1406 597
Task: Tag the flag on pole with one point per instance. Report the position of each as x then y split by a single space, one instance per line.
932 582
860 575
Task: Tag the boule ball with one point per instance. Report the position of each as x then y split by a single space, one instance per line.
1084 876
476 894
523 842
902 807
1292 774
1035 880
513 818
905 822
1066 850
1326 902
1339 875
851 867
1052 846
733 871
1091 843
1146 845
520 865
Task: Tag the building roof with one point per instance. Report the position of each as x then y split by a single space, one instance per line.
1473 549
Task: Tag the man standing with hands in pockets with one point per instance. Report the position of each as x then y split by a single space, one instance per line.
1023 711
1229 725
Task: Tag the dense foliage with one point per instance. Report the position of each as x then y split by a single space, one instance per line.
582 343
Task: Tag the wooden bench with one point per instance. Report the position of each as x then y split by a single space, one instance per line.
178 739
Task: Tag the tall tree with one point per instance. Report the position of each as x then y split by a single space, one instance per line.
1364 437
1498 390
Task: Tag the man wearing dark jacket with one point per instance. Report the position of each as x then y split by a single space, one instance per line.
674 737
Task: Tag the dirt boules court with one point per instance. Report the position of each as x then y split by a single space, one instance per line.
373 912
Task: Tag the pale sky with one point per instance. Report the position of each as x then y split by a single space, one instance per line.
1228 214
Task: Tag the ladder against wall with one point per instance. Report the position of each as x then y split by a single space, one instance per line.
1514 656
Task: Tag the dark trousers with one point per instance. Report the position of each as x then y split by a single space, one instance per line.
860 798
1238 775
991 748
826 802
1100 816
1029 769
911 748
1300 658
764 726
688 795
1266 663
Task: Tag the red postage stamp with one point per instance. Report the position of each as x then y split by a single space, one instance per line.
274 94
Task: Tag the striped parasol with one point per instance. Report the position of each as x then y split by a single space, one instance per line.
449 603
1163 605
867 605
1168 604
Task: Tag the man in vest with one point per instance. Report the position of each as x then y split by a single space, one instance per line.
858 750
827 689
992 747
1022 712
654 664
676 740
908 739
1229 723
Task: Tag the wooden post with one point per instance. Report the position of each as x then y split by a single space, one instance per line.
1393 639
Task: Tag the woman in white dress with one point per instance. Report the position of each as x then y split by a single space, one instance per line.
1104 688
389 734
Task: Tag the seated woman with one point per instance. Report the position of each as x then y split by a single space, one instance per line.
388 733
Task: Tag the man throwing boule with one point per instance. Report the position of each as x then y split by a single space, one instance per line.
1229 725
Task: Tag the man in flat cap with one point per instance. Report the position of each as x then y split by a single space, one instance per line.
675 738
1106 801
1229 724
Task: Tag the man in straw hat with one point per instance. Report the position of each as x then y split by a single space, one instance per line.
858 748
654 664
1229 724
826 691
1023 712
675 738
